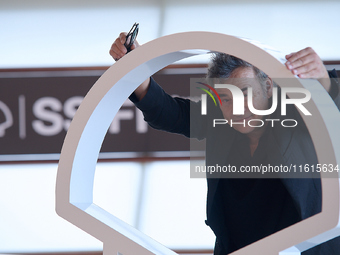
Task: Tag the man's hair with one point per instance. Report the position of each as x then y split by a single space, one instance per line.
222 65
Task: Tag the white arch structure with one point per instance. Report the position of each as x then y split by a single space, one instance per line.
75 178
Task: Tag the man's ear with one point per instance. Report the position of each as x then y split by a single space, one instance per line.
269 87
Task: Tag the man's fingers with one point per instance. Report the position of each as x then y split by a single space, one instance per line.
118 49
310 74
120 43
307 59
122 37
114 54
289 55
300 54
305 69
306 64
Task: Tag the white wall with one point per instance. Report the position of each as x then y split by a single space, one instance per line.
67 33
158 198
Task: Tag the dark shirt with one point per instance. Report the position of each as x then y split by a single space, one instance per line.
260 207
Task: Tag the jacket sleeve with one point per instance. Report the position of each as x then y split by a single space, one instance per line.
335 87
167 113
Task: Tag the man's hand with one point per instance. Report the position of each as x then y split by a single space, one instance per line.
307 64
117 51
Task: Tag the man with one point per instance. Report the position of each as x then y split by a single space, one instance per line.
242 211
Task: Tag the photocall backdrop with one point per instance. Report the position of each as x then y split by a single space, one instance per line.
36 109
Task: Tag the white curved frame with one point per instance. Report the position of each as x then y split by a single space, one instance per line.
74 186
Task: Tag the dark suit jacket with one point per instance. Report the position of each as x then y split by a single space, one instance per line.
287 146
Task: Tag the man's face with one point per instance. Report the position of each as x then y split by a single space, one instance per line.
244 77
